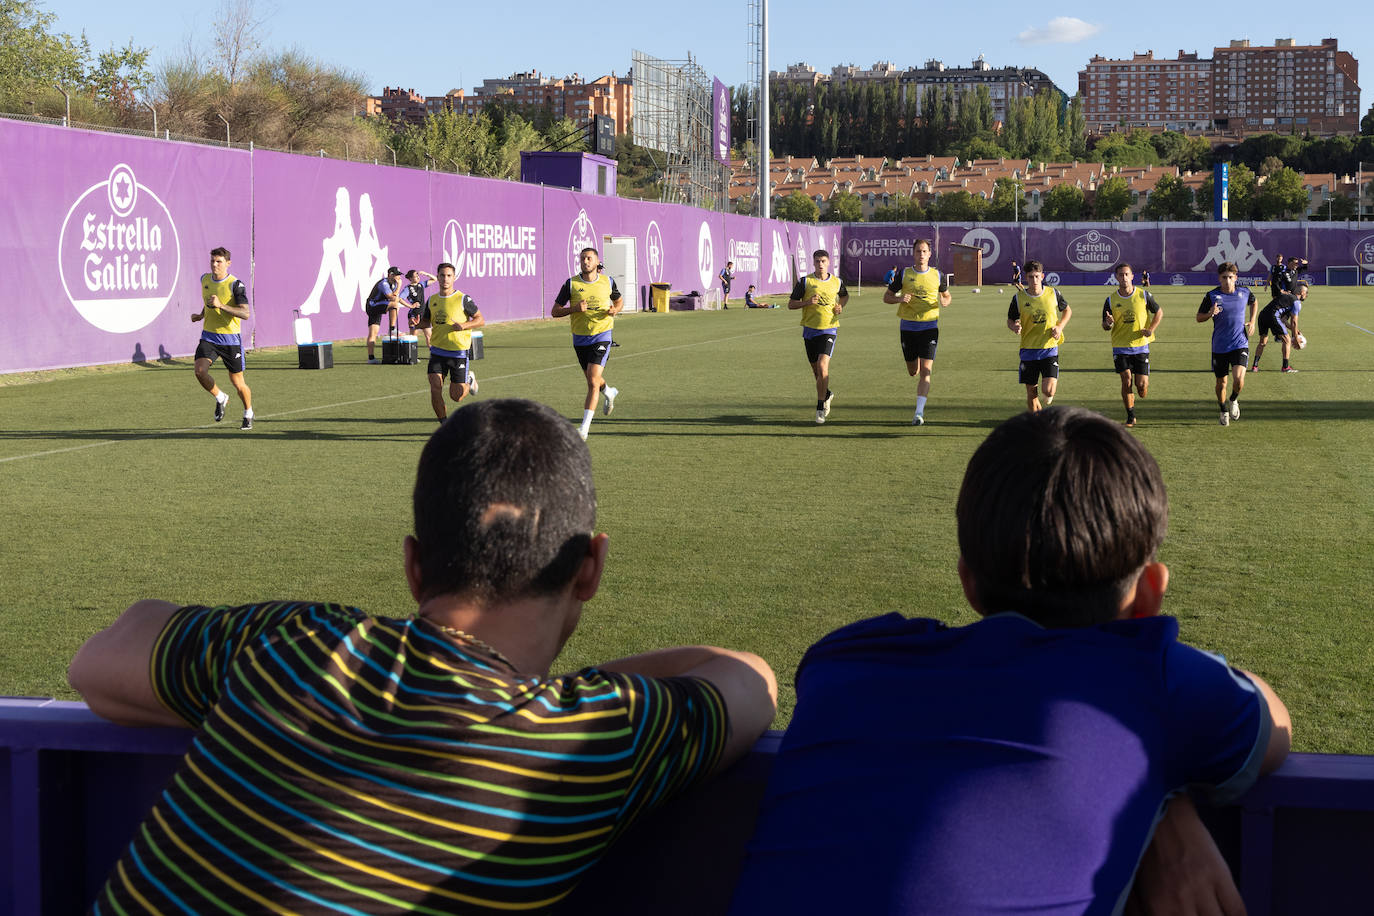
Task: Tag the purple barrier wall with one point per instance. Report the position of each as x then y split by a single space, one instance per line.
124 226
1077 253
113 233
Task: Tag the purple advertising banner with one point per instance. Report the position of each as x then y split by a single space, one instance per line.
116 231
491 232
720 121
1001 245
326 233
1092 249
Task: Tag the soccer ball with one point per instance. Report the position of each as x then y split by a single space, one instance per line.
1302 342
977 290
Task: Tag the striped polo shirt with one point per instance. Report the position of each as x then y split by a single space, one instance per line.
354 764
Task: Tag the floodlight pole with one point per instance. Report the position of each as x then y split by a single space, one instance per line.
150 107
765 190
226 127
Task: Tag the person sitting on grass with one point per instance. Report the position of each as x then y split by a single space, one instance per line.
354 763
1021 763
753 303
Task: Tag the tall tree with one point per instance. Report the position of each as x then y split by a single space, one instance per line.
1282 196
1064 202
1171 199
844 207
797 207
236 30
1113 198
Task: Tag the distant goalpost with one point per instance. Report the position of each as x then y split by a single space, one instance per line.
1343 275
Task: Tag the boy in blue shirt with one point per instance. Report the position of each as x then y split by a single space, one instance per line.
1021 763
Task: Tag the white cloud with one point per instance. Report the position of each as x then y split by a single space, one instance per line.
1059 30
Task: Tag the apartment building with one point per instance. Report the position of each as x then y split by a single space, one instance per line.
1145 92
569 97
400 105
1242 88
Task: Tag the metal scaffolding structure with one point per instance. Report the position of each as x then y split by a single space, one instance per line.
756 119
672 115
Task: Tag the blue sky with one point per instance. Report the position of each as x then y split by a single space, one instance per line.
389 43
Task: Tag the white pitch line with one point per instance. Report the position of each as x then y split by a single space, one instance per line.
384 397
1358 328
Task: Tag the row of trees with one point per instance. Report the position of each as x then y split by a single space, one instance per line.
1281 196
875 118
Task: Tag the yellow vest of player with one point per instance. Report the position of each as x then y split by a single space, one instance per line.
445 314
1131 318
1038 315
598 295
215 320
821 316
924 290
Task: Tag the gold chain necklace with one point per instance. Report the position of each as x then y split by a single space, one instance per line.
463 636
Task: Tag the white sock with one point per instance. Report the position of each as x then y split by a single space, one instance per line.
920 404
248 413
1047 400
587 422
222 398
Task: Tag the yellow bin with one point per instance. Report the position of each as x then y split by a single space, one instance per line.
658 297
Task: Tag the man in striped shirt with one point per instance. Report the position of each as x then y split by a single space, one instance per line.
350 763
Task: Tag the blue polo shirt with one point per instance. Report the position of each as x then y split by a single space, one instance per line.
994 768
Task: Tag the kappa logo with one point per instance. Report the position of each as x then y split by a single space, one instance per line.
653 250
777 268
581 234
352 261
985 239
706 255
1242 252
120 257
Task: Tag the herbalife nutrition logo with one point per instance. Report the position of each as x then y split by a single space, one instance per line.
118 253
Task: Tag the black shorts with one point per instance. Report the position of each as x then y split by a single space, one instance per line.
1269 324
232 355
1032 370
593 354
413 317
1135 363
818 346
456 367
1222 362
919 344
375 313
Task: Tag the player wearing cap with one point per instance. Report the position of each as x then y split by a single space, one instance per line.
383 300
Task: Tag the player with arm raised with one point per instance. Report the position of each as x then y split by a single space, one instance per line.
1133 316
225 306
919 293
1231 310
592 301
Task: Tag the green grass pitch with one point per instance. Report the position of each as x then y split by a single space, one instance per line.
733 518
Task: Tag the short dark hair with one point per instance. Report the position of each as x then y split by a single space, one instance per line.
444 264
1300 284
220 252
592 250
410 274
1033 265
504 503
1226 267
917 243
819 253
1117 269
1059 511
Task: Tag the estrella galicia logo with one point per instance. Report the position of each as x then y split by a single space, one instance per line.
1178 280
1093 251
118 253
581 234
